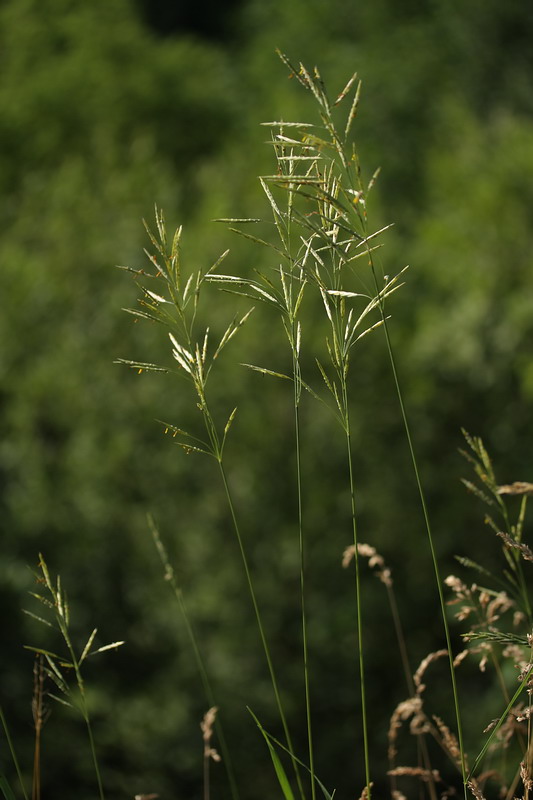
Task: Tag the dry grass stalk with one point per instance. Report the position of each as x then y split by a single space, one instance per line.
525 775
518 487
448 740
365 793
407 708
424 664
207 726
460 657
425 775
525 551
516 653
40 715
374 561
476 791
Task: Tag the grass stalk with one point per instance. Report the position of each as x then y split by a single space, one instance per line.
360 637
301 542
195 362
13 753
170 576
260 626
84 709
434 560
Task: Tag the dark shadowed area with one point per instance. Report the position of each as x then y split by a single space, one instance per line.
108 108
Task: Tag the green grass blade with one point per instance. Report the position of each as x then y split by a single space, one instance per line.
6 789
270 739
500 722
5 785
278 766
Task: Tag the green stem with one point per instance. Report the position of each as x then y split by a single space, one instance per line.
260 627
296 381
357 591
93 752
430 540
422 744
63 626
13 754
169 575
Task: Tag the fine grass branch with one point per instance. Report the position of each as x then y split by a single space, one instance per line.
175 306
60 667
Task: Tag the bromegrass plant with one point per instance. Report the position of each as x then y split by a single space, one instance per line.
324 247
324 255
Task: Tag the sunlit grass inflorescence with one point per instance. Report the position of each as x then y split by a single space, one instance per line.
321 224
175 306
64 670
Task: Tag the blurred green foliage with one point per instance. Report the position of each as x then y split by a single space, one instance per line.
103 113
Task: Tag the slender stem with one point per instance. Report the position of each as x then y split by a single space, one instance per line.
38 721
95 760
178 594
63 626
422 744
422 501
13 754
357 591
430 542
301 540
206 777
261 628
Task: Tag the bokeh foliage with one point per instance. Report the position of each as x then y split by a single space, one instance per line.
103 113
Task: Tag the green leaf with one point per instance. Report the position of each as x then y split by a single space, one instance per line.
467 562
39 619
237 220
267 372
278 766
141 365
257 240
112 646
229 422
500 722
41 652
271 738
61 700
88 646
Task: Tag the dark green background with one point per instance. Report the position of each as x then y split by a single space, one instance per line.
108 107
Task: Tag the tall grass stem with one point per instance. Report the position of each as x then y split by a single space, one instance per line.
208 691
301 540
360 638
260 627
13 753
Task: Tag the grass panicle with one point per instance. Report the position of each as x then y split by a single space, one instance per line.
175 306
59 668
